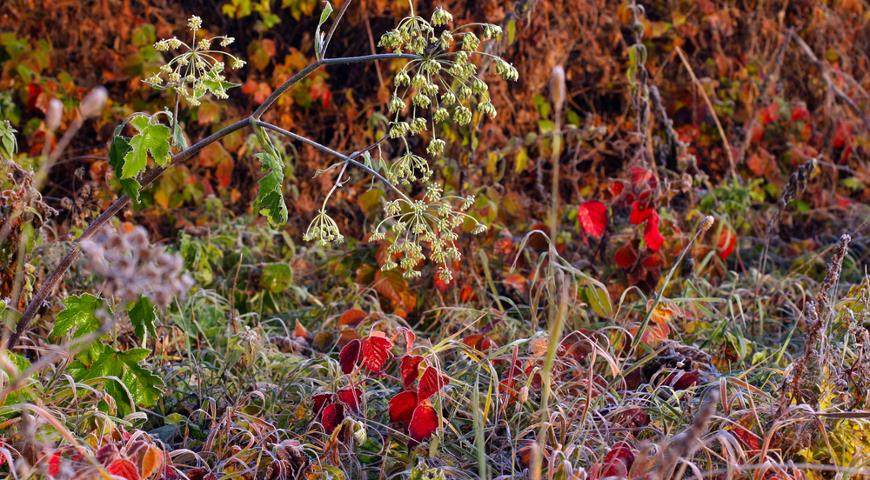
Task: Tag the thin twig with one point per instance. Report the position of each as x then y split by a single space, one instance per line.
731 164
826 76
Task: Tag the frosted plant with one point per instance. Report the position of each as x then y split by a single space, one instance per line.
197 68
130 266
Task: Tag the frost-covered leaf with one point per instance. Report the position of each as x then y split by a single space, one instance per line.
319 37
117 151
270 198
79 316
153 138
143 316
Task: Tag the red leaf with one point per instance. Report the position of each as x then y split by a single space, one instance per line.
350 397
651 234
54 464
424 422
800 113
124 469
410 369
625 257
641 176
348 357
770 113
300 331
466 294
375 352
410 337
592 216
618 461
726 243
652 261
479 342
639 213
441 285
682 380
402 406
430 383
352 317
746 436
321 400
332 416
615 188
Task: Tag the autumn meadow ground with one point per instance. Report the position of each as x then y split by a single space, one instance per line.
571 239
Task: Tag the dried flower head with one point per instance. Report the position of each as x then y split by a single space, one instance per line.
130 266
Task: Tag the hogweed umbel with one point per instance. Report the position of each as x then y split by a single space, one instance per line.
197 68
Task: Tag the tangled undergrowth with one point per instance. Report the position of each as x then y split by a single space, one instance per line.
685 296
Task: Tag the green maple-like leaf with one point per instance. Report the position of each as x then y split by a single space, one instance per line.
270 198
79 316
153 138
143 315
143 386
119 149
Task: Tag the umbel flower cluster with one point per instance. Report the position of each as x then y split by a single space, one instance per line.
443 85
196 69
433 222
441 88
444 88
130 266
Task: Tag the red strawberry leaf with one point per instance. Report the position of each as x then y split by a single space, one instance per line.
424 422
726 243
430 383
54 464
402 407
332 416
625 257
651 234
123 468
410 338
441 285
592 216
479 342
617 462
321 400
682 380
410 367
352 317
348 357
375 352
350 396
640 212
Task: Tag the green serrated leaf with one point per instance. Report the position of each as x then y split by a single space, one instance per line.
178 137
153 139
276 277
79 316
270 198
117 151
319 47
143 316
144 387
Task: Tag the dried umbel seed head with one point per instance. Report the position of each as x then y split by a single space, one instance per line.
557 87
93 103
708 222
53 114
130 266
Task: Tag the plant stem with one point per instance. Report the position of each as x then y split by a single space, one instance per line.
351 159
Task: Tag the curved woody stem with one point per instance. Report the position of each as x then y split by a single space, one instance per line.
54 278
